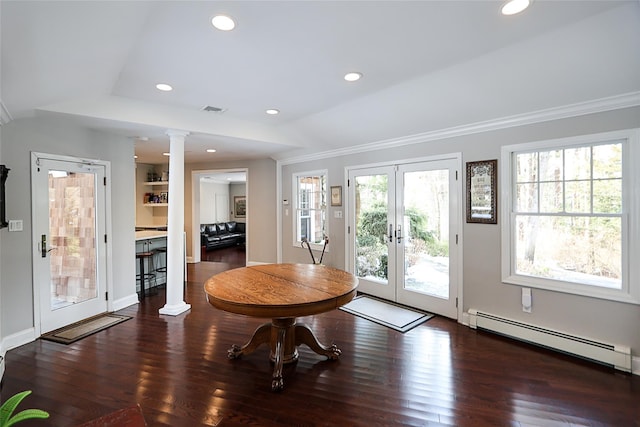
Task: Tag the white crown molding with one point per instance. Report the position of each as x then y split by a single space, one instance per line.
5 116
631 99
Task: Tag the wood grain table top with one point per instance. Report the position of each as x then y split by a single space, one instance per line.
281 290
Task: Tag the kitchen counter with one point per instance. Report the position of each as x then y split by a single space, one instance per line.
150 234
140 227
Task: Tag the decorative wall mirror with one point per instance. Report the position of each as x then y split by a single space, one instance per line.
482 195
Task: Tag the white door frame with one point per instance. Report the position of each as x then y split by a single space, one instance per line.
108 230
195 208
457 210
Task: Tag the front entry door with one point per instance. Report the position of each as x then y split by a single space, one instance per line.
69 254
403 233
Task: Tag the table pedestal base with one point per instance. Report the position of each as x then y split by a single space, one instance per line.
284 335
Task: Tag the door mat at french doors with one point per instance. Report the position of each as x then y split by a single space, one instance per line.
72 333
389 314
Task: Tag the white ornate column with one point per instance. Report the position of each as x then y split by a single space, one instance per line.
175 227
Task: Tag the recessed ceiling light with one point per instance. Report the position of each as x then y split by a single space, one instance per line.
211 150
164 87
165 154
223 23
352 77
514 6
272 111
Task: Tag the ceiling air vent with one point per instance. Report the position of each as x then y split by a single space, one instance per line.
213 109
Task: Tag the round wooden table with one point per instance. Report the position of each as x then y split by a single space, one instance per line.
281 292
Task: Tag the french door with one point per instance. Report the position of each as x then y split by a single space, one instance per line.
69 248
403 233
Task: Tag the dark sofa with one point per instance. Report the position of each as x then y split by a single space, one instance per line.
222 235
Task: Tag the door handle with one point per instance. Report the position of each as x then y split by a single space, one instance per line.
399 233
391 233
43 246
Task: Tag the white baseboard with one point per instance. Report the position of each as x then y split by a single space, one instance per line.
465 319
125 302
618 356
251 263
19 338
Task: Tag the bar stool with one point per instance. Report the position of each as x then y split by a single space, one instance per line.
141 256
163 269
160 268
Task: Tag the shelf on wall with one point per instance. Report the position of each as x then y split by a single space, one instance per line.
156 183
155 204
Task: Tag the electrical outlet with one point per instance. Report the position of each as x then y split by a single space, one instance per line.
337 214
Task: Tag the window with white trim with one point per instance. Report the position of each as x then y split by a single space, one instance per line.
570 213
310 207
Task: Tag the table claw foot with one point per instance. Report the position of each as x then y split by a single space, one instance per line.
260 336
304 335
277 384
234 352
334 352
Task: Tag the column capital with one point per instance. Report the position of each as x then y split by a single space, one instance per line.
177 133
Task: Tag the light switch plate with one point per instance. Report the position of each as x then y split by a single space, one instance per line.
526 300
15 225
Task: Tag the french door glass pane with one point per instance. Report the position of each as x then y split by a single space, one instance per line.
72 233
372 252
426 232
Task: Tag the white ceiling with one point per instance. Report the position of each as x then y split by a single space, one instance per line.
427 65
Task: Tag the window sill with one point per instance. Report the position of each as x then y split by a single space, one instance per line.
572 288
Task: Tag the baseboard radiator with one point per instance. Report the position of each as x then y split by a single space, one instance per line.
613 355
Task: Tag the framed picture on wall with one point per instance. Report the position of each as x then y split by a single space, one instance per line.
482 195
336 195
240 206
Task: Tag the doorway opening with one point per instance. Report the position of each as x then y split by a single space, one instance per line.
220 197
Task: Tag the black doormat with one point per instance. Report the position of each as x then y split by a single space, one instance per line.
74 332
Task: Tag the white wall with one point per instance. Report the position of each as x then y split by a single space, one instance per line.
50 135
482 288
214 202
2 349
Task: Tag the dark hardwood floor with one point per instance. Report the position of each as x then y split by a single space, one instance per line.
233 255
440 373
